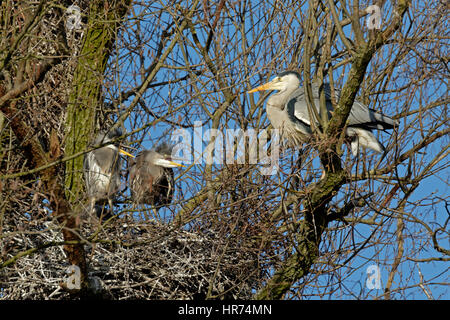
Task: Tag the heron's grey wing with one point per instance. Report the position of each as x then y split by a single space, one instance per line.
87 164
361 115
297 108
91 170
108 159
298 117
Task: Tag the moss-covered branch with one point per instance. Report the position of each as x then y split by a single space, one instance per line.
85 95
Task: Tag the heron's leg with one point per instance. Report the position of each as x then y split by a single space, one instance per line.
91 209
110 204
92 206
323 174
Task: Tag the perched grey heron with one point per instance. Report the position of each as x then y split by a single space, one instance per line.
102 170
151 176
287 111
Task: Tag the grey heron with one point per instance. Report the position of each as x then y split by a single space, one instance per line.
287 111
102 170
151 176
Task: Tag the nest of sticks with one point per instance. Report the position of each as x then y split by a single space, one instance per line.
150 261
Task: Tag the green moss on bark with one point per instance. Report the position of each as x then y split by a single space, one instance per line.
85 95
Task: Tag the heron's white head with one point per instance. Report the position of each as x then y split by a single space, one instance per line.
107 136
283 81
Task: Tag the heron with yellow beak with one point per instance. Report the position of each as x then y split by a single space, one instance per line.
102 170
288 111
151 176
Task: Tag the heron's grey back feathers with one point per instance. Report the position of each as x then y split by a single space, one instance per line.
360 115
361 119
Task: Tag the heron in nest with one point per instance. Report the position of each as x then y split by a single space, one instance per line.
102 170
151 177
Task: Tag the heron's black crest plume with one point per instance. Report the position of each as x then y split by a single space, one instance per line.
165 148
107 135
285 73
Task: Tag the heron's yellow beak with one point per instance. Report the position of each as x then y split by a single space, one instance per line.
126 153
167 163
176 164
266 86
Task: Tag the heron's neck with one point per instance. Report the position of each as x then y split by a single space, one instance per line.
279 99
